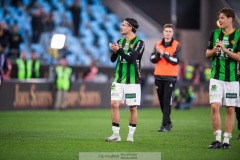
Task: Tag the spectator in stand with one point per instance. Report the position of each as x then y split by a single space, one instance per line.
8 70
4 40
48 22
15 40
76 12
16 3
37 25
3 67
91 72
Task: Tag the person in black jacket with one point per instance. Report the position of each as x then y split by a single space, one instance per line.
76 12
166 56
15 39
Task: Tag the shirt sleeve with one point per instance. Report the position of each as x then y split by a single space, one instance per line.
114 57
154 56
210 41
238 46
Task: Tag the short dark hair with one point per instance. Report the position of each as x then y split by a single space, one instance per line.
133 23
228 12
168 26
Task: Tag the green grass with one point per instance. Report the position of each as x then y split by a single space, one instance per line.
44 134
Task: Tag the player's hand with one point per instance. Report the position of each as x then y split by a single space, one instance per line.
220 44
159 50
114 47
216 50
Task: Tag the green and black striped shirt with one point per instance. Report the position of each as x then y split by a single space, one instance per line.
223 67
128 58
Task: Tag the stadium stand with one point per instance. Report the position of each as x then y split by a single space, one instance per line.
98 26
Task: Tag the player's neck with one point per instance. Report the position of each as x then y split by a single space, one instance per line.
228 30
130 36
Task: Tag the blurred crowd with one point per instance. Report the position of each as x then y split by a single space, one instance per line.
87 24
194 73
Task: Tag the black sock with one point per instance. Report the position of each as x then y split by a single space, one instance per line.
115 124
132 125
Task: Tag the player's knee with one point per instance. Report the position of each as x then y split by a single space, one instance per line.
114 104
133 108
215 107
230 110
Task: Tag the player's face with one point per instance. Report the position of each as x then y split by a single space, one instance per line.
168 33
125 28
224 21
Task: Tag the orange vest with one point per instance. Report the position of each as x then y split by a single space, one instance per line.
163 67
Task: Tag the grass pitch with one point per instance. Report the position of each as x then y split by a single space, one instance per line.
46 134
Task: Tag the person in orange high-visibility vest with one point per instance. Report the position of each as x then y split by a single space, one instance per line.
166 56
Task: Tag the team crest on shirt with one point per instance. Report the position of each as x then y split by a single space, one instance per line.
131 46
233 42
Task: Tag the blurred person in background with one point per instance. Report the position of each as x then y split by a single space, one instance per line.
62 84
198 74
207 72
224 49
91 72
33 66
8 70
48 22
3 67
75 10
166 55
183 97
37 25
126 87
188 74
22 66
4 41
15 41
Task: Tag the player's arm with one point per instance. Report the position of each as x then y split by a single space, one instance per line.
155 56
175 59
137 52
114 54
211 51
114 57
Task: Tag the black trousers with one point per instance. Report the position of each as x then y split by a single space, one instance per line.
237 110
165 91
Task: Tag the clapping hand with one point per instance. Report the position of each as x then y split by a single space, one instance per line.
114 47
